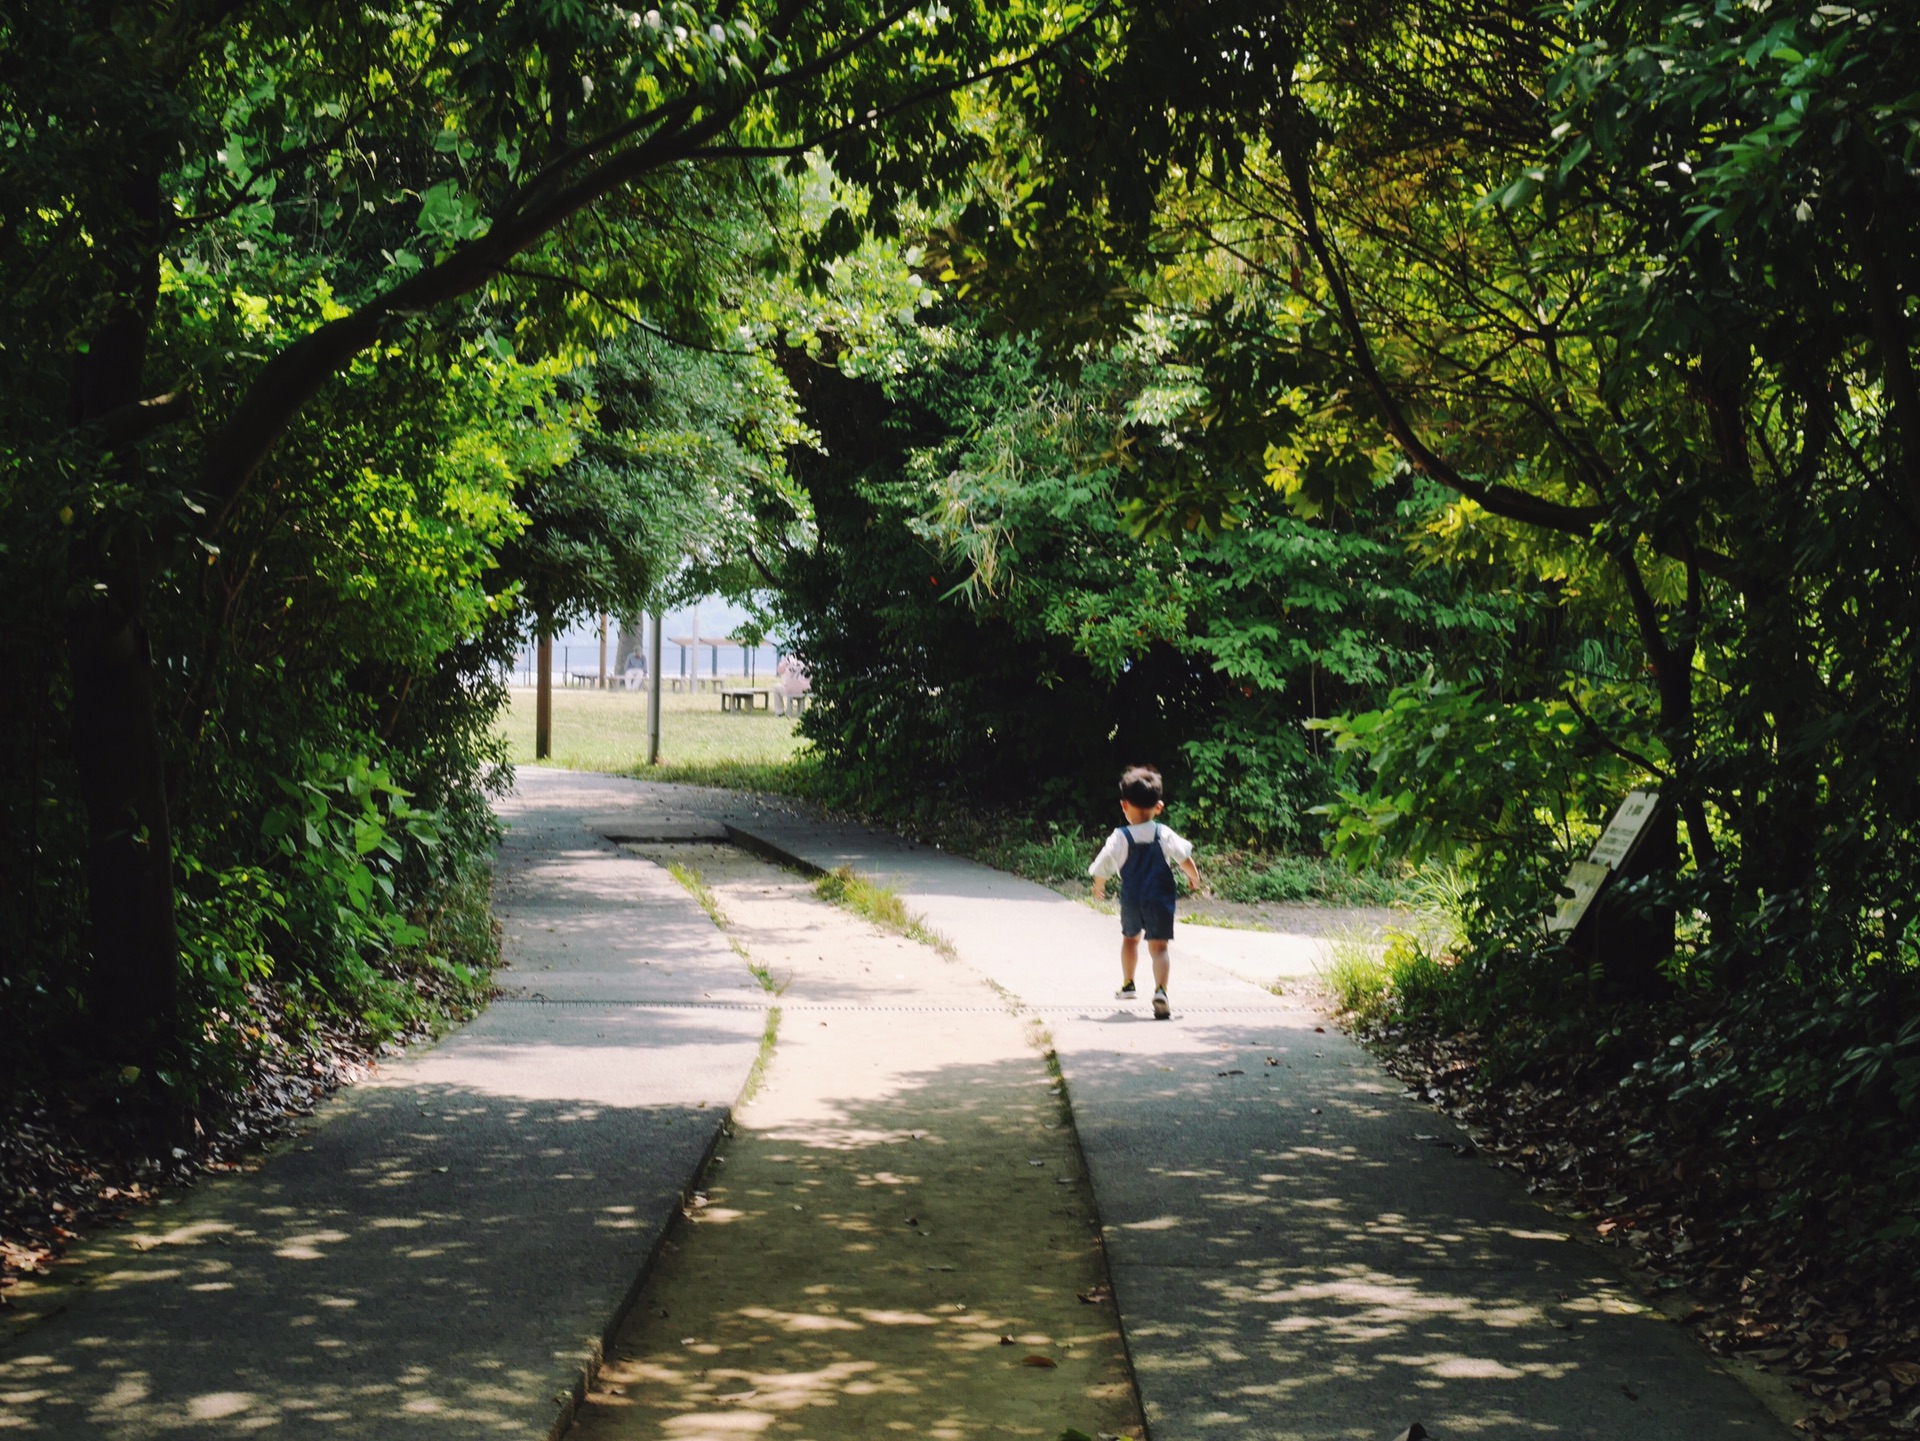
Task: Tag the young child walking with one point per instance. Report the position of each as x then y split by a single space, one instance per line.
1143 854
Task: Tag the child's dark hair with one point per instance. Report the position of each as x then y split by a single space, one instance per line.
1141 786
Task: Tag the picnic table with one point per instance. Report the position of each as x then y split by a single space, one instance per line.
741 698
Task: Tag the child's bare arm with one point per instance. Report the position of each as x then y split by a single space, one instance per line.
1193 873
1099 888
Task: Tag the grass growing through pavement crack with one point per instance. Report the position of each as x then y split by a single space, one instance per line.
696 887
882 905
769 1037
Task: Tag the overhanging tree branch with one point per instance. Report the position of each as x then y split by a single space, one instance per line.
296 374
1500 500
130 424
632 317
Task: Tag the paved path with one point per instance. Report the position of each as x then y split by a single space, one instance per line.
441 1252
1296 1251
901 1191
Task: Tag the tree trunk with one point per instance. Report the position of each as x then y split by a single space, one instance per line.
132 985
543 699
133 980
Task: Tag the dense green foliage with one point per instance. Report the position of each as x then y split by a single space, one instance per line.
972 555
343 344
1635 286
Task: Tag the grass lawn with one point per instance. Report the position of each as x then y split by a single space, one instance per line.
606 730
595 730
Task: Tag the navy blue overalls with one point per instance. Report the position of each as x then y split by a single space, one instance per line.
1146 888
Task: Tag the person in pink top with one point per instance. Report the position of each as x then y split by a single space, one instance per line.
790 682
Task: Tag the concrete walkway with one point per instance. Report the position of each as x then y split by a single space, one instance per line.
443 1251
440 1254
902 1191
1297 1250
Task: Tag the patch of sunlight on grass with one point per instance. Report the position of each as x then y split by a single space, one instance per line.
1356 973
606 730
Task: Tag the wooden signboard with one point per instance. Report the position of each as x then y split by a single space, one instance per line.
1616 843
1608 857
1584 880
1620 918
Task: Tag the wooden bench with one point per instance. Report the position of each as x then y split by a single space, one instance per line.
742 698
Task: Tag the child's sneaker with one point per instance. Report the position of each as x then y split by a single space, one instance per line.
1160 1011
1127 992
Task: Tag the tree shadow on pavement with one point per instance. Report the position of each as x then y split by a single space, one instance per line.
858 1260
1300 1252
437 1260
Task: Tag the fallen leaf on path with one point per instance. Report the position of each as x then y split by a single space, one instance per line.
1229 1073
1043 1363
1904 1373
1097 1296
1006 1340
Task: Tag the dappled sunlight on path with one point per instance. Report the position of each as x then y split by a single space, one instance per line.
901 1194
438 1254
1297 1249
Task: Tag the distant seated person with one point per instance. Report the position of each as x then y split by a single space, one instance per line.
635 676
790 682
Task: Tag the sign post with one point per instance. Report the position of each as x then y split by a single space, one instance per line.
1605 920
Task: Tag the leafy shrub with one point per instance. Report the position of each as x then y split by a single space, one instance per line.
1401 978
341 829
1291 878
1061 857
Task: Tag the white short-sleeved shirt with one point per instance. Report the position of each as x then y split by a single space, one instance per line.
1113 854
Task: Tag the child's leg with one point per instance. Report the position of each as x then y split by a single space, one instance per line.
1162 963
1129 958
